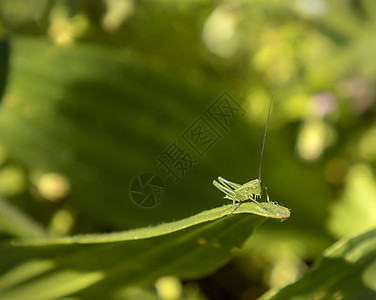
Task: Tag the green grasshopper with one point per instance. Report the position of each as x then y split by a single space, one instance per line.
251 190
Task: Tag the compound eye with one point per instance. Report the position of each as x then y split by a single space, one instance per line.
255 184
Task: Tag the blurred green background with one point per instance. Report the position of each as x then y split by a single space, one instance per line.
92 92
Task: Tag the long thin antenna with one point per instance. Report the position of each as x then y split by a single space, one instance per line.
266 128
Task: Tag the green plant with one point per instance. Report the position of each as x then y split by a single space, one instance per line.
93 92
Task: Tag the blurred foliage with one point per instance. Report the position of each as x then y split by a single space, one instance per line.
346 271
96 90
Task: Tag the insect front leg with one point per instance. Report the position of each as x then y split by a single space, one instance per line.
266 192
267 195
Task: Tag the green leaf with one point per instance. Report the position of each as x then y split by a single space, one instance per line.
347 270
100 115
84 112
98 265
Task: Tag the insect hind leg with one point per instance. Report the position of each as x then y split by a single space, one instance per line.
230 184
230 193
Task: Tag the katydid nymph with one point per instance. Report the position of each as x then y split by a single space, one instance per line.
251 190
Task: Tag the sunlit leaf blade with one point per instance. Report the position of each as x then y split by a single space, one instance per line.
347 271
96 265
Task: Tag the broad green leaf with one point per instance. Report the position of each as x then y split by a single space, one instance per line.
103 264
100 115
347 271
